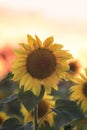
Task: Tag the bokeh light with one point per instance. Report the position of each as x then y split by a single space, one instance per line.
65 20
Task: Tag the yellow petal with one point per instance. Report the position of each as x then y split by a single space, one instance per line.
19 65
83 77
18 62
20 52
85 71
19 70
48 42
23 79
56 87
22 59
25 46
27 83
36 87
38 43
30 39
60 46
55 47
17 76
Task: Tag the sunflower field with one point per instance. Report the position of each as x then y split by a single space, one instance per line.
42 87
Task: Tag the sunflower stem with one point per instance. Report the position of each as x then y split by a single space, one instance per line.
44 116
36 116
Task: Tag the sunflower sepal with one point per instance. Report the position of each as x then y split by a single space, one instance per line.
29 99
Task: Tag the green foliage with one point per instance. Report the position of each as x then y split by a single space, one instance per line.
28 126
8 76
29 100
46 126
15 124
81 124
9 99
67 112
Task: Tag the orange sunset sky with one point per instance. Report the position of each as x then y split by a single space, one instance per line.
66 20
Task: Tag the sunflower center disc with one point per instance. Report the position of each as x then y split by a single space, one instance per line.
73 67
1 121
85 89
42 110
41 63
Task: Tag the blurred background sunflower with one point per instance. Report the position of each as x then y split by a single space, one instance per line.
44 111
75 68
79 90
3 117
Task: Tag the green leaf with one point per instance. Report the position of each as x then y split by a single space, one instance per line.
81 124
8 76
45 126
9 99
67 112
11 124
25 127
29 100
15 124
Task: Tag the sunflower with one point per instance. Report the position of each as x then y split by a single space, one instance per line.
3 117
44 107
79 90
38 63
74 68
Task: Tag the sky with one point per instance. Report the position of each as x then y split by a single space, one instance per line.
65 20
